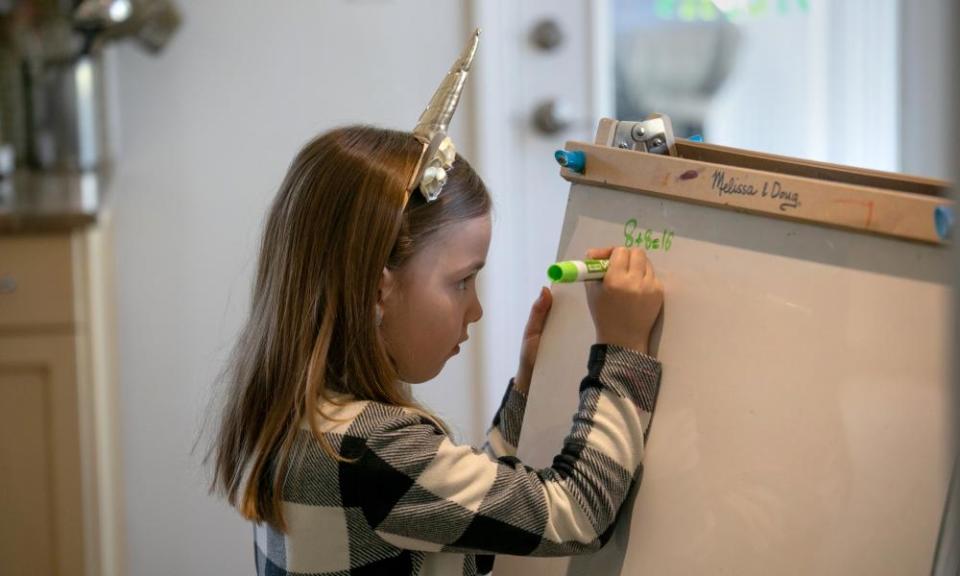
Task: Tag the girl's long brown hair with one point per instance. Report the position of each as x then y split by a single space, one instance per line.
336 222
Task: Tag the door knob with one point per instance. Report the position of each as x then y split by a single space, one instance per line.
552 116
546 34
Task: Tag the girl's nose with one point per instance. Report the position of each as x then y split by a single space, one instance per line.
477 311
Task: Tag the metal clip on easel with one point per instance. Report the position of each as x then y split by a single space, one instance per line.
653 135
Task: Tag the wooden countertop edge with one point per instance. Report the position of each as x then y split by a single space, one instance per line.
18 224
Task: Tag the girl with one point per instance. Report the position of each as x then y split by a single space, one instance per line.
365 286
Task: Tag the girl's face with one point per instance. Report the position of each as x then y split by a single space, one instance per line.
429 301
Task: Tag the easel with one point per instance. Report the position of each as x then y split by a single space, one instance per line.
805 336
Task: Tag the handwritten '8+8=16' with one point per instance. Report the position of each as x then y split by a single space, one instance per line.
646 239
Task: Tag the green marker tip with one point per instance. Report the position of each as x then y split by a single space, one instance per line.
555 273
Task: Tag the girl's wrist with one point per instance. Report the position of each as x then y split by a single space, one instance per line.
521 385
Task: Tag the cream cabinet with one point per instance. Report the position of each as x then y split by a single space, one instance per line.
59 471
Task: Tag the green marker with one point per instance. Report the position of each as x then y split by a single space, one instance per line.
577 270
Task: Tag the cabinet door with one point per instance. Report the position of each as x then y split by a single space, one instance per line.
41 495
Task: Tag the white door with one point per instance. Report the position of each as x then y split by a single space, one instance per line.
537 54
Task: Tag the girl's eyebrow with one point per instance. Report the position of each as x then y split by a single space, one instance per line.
473 267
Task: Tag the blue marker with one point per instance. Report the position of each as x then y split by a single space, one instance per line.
576 161
943 221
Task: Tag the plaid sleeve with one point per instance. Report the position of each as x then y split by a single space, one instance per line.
419 491
504 435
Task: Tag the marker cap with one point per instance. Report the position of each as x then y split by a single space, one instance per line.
563 272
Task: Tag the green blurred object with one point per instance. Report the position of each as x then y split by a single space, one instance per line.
710 10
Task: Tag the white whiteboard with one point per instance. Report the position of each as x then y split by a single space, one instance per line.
802 419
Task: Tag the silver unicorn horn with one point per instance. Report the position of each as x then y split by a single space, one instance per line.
438 150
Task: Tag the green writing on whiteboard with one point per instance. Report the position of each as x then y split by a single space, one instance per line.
636 237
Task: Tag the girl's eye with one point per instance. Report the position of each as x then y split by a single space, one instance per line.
462 284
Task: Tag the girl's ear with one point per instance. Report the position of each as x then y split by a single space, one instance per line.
388 284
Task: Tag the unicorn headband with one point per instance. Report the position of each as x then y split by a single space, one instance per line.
438 152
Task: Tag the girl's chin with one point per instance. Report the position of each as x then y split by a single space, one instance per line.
421 378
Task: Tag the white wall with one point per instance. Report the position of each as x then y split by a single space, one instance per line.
207 130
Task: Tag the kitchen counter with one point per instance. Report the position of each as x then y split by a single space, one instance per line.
59 394
49 202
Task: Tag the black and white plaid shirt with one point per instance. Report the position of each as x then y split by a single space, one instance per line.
413 502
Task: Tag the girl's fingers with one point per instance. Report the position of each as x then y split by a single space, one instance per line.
638 262
538 313
649 275
619 260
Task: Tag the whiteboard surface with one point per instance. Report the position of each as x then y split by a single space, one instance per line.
802 418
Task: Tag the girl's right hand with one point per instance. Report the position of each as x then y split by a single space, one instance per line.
627 302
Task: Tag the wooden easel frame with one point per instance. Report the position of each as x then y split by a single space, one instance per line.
870 201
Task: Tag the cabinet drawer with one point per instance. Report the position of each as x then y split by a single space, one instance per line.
36 281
